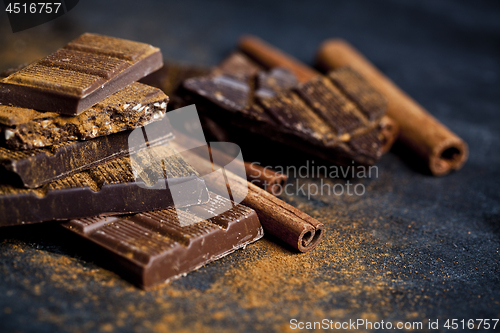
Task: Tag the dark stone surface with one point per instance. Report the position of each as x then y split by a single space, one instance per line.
413 248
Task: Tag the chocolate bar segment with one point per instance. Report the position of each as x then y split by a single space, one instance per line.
156 247
369 100
239 66
226 91
330 117
133 106
84 72
37 167
330 104
276 80
156 178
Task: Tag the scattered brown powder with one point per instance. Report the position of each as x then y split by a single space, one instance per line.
106 328
339 280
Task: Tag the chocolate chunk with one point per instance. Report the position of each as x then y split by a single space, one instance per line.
321 116
81 74
293 115
37 167
223 90
156 247
331 105
272 82
369 100
150 180
133 106
238 65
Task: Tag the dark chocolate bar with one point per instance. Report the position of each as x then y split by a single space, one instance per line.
79 75
239 66
37 167
370 102
335 118
133 106
156 247
273 82
154 178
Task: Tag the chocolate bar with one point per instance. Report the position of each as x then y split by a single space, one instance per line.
156 247
40 166
81 74
335 118
133 106
152 179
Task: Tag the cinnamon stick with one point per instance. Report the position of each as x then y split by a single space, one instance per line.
278 218
443 150
270 57
270 180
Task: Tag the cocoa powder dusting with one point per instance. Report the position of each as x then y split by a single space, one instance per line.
264 279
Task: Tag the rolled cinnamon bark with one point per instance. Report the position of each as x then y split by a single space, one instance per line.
443 150
270 180
270 57
278 218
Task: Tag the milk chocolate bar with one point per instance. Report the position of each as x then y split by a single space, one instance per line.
37 167
155 178
335 118
156 247
133 106
82 73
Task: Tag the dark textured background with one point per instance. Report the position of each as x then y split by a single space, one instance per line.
413 248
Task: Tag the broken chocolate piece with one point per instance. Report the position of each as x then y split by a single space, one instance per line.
37 167
133 106
331 105
81 74
369 100
156 247
152 180
226 91
277 80
329 117
239 66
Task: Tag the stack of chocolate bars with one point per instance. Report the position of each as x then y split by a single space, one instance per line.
82 141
